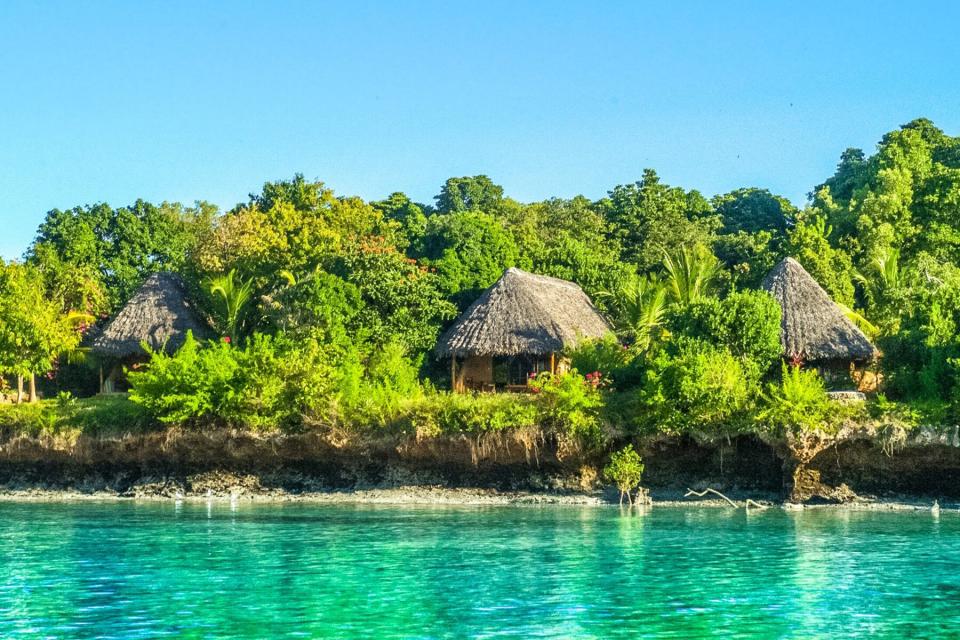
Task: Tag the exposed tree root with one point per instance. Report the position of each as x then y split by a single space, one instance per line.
700 494
749 503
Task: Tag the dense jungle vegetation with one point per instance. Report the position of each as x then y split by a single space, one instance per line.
327 306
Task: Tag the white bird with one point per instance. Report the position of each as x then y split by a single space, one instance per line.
935 509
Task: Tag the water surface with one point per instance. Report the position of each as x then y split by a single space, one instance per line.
134 570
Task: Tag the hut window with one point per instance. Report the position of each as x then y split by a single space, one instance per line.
516 370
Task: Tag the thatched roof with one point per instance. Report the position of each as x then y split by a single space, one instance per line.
813 328
524 313
158 314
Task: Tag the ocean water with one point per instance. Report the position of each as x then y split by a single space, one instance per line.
155 570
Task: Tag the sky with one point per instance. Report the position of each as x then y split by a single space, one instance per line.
106 101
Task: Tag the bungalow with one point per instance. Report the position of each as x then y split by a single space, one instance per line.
815 331
159 315
518 327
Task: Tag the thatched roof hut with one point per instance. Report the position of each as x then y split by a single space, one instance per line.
523 313
158 314
813 327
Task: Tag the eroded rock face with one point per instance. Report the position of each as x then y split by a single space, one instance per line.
922 462
808 488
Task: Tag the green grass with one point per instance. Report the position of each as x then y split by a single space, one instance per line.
101 416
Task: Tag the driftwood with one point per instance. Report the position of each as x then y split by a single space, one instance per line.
700 494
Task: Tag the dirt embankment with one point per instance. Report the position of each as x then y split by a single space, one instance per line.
223 463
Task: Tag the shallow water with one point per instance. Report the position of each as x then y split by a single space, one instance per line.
128 570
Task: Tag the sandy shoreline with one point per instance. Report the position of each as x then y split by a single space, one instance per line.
422 496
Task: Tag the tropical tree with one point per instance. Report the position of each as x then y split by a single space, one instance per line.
119 247
641 305
649 218
470 193
34 329
883 287
232 296
692 274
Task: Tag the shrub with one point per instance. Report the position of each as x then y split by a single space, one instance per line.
268 383
798 404
453 413
570 404
625 469
703 386
99 416
621 365
746 322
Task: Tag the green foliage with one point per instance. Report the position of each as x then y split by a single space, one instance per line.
233 297
798 404
469 193
350 296
102 416
753 211
408 214
266 384
641 309
401 301
692 273
809 242
650 218
570 403
119 247
374 391
749 257
34 329
320 306
436 414
617 364
747 323
469 251
625 469
571 240
702 386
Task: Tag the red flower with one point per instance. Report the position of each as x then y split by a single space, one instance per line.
226 339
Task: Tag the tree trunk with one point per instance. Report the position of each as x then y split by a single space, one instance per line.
19 389
33 388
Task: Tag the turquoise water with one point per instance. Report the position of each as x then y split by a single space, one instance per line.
128 570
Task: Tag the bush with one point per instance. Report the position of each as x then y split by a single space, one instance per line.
268 383
621 365
373 392
625 469
570 404
100 416
798 404
703 386
437 414
746 322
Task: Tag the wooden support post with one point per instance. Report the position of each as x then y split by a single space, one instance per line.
553 363
101 378
453 373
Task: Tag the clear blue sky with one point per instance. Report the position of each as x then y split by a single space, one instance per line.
110 101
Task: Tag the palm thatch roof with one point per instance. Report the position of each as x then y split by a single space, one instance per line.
523 313
158 314
813 327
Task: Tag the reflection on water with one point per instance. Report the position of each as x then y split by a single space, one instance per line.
127 570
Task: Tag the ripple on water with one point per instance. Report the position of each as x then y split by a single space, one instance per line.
127 570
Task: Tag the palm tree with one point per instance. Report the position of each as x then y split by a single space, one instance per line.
882 275
643 304
233 295
691 274
883 285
